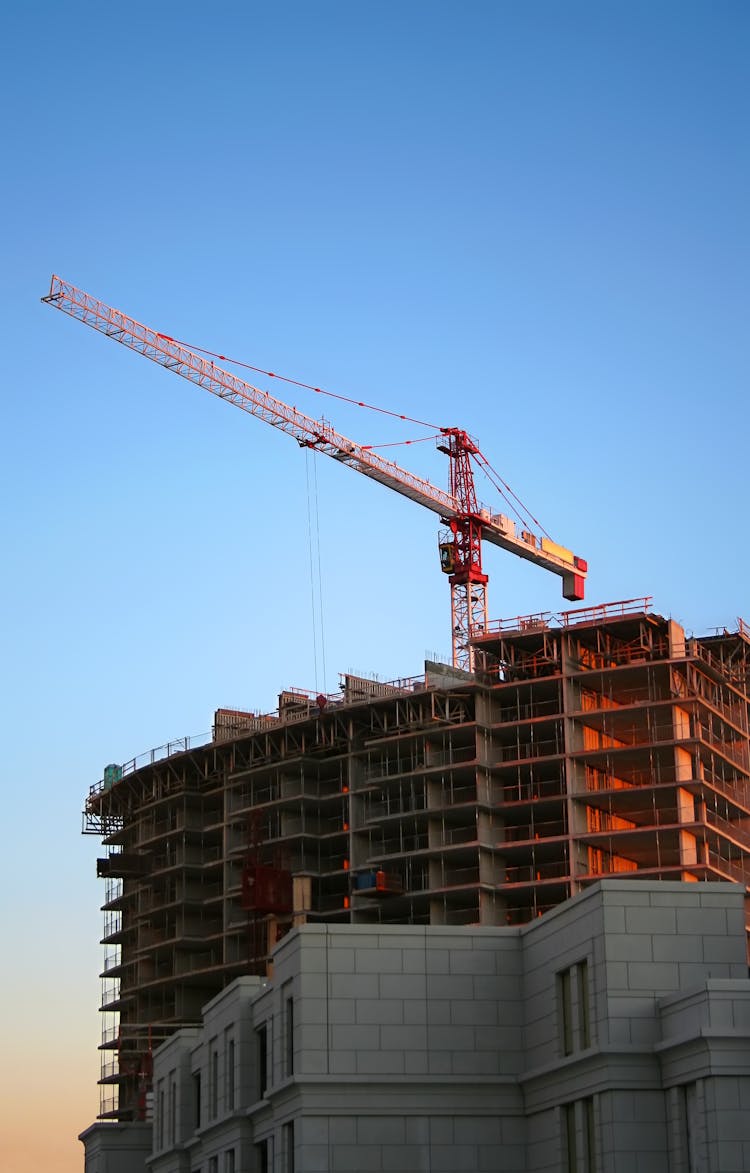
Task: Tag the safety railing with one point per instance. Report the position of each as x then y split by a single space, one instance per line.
531 832
524 751
541 620
109 1103
305 703
530 874
623 607
737 674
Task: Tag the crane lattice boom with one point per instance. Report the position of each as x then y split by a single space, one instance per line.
458 508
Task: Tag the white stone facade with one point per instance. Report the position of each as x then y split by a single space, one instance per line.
609 1036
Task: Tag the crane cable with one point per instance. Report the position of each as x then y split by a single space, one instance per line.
489 471
506 492
312 577
400 443
320 574
298 383
313 547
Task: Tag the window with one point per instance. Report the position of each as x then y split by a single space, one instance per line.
160 1110
589 1134
565 1011
692 1118
579 1137
261 1037
197 1098
288 1035
213 1165
213 1081
229 1072
229 1161
264 1156
172 1108
574 1008
584 1017
289 1147
569 1137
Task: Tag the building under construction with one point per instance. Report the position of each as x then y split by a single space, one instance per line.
598 741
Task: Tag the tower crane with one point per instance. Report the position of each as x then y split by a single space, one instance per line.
467 524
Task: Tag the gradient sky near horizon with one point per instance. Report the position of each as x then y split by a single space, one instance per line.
525 219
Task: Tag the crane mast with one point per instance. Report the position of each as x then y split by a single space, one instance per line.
461 553
467 524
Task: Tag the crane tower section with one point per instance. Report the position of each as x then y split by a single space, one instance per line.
461 554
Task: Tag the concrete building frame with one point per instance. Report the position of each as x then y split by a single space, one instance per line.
604 741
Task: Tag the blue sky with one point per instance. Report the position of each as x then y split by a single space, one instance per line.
527 220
